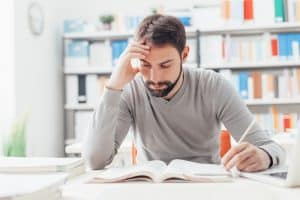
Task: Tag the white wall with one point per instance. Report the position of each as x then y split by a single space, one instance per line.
7 100
39 80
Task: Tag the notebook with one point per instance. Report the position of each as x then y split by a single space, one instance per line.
31 186
72 166
158 171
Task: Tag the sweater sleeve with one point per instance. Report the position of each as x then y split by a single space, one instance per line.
231 110
107 129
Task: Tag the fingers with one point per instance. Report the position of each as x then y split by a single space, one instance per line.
246 157
232 152
242 159
137 49
139 45
252 168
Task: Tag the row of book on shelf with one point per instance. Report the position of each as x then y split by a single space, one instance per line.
84 89
87 89
267 84
256 48
276 121
244 11
206 14
82 53
251 84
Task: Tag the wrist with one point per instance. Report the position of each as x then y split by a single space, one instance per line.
269 156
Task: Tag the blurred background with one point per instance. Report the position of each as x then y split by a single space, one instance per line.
57 55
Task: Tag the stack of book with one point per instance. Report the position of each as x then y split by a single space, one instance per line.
23 165
36 178
31 186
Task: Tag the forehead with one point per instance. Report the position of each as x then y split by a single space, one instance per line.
161 53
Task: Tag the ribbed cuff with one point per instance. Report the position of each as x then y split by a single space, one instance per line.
274 158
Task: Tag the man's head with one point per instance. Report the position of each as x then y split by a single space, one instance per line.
162 68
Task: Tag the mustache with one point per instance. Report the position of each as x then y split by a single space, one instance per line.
161 83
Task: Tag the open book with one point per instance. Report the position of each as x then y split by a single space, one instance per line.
158 171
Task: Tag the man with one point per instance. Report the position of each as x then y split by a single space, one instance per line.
175 112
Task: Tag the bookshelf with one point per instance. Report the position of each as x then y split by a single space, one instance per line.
194 34
272 108
231 29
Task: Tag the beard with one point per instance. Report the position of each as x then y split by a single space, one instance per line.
167 85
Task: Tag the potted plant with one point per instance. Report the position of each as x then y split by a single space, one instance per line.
107 21
15 143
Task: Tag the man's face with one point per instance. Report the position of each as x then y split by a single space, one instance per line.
160 69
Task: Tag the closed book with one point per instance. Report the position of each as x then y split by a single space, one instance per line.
31 186
264 11
71 89
298 80
248 10
279 11
92 89
71 166
276 87
82 98
82 119
283 46
297 10
274 46
271 86
236 12
225 7
257 84
243 84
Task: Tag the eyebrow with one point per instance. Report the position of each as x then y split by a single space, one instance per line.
164 62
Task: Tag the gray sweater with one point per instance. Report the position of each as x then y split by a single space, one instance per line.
185 127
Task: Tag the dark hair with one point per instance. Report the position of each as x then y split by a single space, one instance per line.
159 30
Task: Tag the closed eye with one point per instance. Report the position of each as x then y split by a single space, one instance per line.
145 65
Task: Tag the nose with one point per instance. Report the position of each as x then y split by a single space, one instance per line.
154 75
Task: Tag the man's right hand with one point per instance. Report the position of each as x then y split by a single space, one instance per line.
124 72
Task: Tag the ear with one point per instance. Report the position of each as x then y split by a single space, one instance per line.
185 53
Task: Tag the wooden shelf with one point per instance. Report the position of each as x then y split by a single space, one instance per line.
263 65
88 70
102 70
110 35
261 102
252 28
79 107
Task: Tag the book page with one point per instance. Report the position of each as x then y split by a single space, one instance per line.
148 171
197 168
181 169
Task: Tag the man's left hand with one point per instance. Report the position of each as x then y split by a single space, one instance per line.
246 157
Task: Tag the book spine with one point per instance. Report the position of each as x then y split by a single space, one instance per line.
279 10
248 10
82 89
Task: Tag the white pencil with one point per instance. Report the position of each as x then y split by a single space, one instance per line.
246 131
234 171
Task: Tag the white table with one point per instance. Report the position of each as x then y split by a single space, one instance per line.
239 189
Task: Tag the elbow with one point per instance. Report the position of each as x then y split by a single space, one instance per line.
94 160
